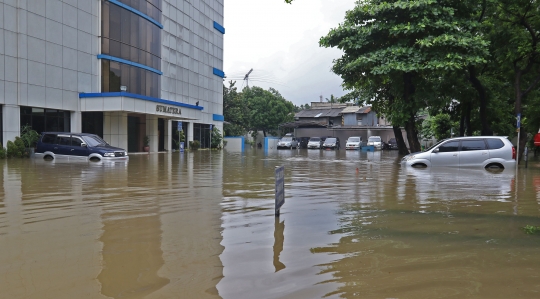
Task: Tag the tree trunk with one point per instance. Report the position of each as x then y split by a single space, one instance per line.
410 124
402 147
482 95
462 121
412 135
517 109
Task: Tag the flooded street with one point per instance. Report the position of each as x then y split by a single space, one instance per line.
201 225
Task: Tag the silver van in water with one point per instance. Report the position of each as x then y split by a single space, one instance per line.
484 151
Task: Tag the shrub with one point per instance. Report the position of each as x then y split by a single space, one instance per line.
11 150
29 137
194 145
21 147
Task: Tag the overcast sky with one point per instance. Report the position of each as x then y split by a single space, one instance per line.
281 43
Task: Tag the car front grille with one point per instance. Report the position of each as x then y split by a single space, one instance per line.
119 154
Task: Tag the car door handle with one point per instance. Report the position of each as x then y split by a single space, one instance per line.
484 153
455 155
55 148
72 149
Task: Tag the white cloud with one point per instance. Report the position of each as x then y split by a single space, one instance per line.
281 43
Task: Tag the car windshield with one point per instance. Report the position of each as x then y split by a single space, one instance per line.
392 140
354 139
315 139
374 139
94 140
330 140
436 144
286 139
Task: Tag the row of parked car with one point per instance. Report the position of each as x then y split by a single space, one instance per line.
353 143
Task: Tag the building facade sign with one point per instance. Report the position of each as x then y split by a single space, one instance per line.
168 109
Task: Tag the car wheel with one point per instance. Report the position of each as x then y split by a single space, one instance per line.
48 158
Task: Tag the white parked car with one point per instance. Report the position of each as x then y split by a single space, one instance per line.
288 141
315 142
484 151
376 141
353 143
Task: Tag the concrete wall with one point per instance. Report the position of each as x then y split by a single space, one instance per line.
235 144
270 143
192 47
47 55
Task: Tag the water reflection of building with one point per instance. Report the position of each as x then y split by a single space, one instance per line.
97 230
122 69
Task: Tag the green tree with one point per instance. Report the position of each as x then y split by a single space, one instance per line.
516 39
235 111
268 109
441 126
396 52
217 138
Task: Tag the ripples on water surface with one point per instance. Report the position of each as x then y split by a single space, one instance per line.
202 225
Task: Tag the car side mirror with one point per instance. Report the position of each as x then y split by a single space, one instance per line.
435 150
83 144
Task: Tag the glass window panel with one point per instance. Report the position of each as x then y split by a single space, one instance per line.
125 52
105 45
76 141
133 82
114 82
114 47
63 140
134 54
125 17
105 77
124 70
451 146
473 145
105 19
494 143
114 24
38 123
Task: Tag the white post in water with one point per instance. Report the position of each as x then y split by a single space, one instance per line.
280 187
518 130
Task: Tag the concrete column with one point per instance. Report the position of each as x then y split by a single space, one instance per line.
76 121
152 131
11 122
168 135
115 128
189 133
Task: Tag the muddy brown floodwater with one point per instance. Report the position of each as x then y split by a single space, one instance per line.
201 225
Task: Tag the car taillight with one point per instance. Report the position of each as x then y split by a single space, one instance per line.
513 153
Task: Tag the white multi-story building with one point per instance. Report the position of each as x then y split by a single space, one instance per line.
121 69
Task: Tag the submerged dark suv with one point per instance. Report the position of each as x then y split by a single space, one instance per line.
52 145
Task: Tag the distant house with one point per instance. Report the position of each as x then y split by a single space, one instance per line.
359 116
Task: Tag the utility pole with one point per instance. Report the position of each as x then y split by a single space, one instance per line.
246 77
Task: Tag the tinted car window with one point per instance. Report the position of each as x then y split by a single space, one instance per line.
48 138
354 139
473 145
76 141
94 141
494 143
314 139
63 140
330 140
451 146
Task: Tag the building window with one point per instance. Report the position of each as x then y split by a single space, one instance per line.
139 81
46 120
201 132
92 122
128 36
